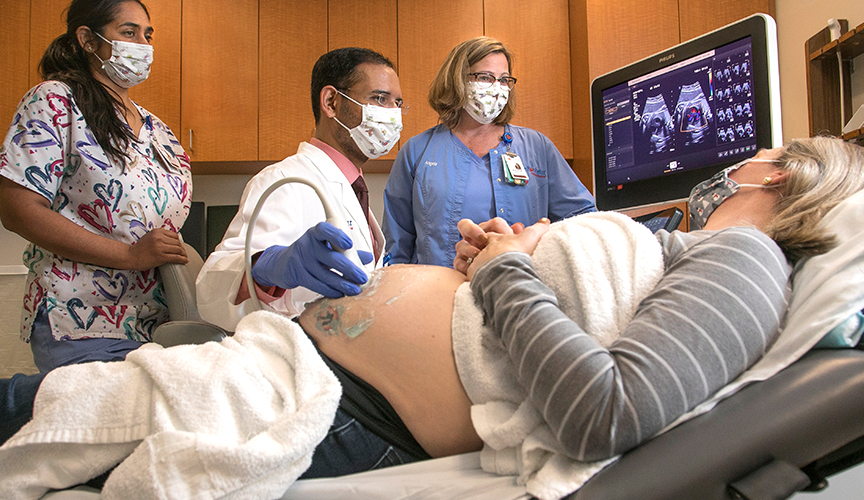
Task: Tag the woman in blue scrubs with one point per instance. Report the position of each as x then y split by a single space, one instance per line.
473 164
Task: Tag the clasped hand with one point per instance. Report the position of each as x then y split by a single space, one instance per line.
482 242
310 262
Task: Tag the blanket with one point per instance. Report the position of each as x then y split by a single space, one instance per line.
600 266
234 419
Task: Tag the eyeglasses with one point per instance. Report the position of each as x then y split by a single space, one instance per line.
487 79
383 100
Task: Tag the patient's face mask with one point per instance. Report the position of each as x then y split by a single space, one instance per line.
709 194
485 103
129 63
378 131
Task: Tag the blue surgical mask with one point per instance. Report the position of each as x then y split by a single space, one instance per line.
709 194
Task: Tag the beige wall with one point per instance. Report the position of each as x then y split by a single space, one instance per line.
797 21
11 250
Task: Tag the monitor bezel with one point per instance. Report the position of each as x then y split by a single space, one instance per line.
673 188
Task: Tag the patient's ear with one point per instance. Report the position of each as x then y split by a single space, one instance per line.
776 178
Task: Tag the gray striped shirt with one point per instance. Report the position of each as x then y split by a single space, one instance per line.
715 312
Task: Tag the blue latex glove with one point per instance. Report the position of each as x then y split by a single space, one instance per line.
308 263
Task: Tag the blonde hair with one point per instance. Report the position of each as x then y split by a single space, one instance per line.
449 92
823 171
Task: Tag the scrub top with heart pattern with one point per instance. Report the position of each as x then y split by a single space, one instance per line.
50 150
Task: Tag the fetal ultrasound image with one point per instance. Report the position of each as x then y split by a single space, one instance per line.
693 115
677 114
733 100
656 125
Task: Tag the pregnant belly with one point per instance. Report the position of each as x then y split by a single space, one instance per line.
395 335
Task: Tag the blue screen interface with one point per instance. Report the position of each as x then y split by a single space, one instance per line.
691 114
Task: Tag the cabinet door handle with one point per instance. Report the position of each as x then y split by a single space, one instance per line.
190 140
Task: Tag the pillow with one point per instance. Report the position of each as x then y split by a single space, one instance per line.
846 334
828 290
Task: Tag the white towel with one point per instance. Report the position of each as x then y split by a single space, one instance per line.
235 419
600 266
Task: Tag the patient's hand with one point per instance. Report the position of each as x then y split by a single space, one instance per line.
525 241
475 237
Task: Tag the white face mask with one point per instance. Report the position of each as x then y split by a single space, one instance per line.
485 104
378 131
129 63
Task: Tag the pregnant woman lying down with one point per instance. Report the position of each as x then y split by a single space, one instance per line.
573 342
714 309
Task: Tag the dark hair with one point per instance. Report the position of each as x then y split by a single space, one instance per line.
66 61
338 68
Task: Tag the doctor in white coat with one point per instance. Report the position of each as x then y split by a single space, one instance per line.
356 101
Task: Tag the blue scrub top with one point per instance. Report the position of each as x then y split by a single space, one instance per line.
436 180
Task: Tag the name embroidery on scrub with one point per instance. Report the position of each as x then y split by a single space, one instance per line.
536 172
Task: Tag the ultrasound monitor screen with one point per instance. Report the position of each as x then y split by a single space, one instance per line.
664 125
681 117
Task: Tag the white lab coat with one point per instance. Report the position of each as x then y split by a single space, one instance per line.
285 216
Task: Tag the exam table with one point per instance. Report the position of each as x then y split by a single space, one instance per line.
771 439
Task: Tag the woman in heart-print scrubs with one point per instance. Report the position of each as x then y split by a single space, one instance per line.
99 187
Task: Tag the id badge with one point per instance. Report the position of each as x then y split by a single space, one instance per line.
169 159
514 171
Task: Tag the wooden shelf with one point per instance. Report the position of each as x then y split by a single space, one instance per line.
826 75
854 136
850 45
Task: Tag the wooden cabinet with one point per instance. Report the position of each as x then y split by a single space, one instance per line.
536 33
47 22
219 72
160 93
697 17
290 40
417 44
539 38
219 100
364 23
371 24
231 77
28 28
14 79
826 75
623 31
